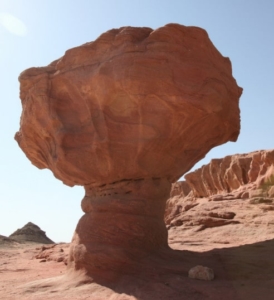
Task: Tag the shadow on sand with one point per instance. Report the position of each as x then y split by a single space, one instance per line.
241 273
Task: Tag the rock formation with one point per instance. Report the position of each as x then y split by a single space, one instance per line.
31 233
244 183
55 252
125 116
6 241
181 188
232 172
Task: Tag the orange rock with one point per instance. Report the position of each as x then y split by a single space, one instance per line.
233 172
125 116
180 188
135 103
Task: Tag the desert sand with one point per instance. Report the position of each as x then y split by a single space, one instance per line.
240 254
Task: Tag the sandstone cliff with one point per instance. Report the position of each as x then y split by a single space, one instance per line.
232 172
235 190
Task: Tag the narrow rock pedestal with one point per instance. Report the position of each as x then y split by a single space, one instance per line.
123 223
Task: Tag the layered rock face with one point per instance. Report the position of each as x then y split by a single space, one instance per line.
235 193
228 174
125 116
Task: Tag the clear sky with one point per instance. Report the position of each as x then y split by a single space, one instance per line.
34 33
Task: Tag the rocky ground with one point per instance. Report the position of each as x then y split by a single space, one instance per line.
239 252
202 224
224 222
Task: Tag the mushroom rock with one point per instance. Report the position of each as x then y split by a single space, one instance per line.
125 116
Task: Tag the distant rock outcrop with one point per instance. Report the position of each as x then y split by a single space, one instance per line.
6 241
228 174
31 233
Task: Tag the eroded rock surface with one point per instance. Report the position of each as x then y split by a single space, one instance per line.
232 172
244 202
125 116
111 109
55 252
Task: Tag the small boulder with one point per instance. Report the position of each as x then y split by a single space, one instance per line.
201 273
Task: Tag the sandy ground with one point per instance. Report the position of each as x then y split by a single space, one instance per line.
241 255
243 272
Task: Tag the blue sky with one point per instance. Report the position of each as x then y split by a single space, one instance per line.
34 33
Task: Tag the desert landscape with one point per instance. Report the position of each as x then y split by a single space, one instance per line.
126 116
230 232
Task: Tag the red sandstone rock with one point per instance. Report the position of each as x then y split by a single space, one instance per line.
55 252
125 116
112 109
225 223
238 178
232 172
180 188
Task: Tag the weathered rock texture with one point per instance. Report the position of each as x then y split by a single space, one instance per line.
243 184
125 116
181 188
31 233
228 174
111 109
55 252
